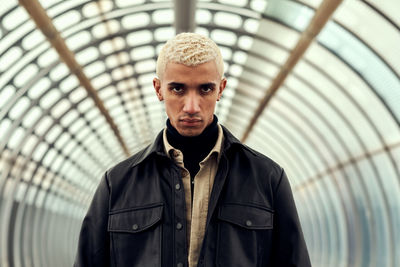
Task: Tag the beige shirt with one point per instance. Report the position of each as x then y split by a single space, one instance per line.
196 215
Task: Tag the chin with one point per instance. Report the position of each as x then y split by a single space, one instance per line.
190 132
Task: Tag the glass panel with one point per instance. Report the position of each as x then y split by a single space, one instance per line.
14 18
50 98
395 206
39 88
66 20
228 20
258 5
60 108
19 108
29 145
356 90
389 8
53 134
223 37
135 20
378 215
10 57
143 52
354 128
94 69
89 54
322 132
78 40
365 23
274 53
26 74
31 117
163 16
282 35
107 28
291 13
203 16
59 72
366 63
96 8
240 3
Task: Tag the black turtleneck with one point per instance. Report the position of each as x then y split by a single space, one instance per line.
194 148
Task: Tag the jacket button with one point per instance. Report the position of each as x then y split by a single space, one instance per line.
135 227
179 226
249 223
177 186
180 264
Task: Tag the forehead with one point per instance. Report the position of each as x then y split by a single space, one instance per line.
202 73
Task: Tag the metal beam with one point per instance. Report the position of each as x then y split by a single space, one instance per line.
44 23
185 13
349 162
321 17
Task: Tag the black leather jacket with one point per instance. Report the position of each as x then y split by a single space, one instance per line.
134 216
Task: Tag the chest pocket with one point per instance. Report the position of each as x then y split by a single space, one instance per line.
244 235
135 236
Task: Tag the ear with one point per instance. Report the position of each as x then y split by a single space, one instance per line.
222 86
157 87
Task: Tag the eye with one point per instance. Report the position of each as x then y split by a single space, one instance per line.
206 89
177 89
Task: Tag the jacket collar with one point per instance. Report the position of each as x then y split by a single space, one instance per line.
157 147
230 140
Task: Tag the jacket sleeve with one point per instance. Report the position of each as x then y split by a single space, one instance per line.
289 247
93 244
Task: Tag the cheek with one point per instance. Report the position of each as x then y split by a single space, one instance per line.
171 107
211 104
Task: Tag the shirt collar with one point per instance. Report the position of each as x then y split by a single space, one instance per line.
157 148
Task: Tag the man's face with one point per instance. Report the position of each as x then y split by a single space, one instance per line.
190 95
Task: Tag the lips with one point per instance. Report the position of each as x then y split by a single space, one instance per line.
190 122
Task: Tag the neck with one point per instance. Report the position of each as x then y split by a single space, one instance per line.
208 136
194 148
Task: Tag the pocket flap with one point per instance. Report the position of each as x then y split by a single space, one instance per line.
136 219
249 217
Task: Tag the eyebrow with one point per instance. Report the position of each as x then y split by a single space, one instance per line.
213 85
175 84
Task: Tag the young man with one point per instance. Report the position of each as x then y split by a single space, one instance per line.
196 196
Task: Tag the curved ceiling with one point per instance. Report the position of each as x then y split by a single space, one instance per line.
327 110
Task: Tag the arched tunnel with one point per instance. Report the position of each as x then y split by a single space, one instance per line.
312 84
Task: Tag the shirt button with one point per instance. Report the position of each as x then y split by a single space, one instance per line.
179 264
135 227
177 186
249 223
179 226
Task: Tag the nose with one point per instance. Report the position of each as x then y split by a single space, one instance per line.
191 105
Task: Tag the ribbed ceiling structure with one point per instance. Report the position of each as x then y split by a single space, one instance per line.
76 97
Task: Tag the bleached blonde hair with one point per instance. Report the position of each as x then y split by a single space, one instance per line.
189 49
